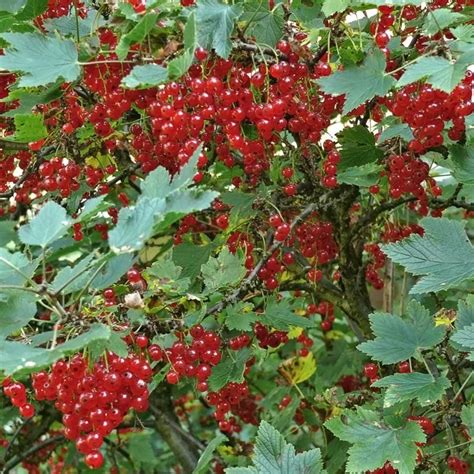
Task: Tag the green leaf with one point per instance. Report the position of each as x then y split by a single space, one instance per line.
18 357
265 25
397 339
29 127
71 279
7 232
135 225
467 417
206 456
361 176
230 369
422 387
32 9
28 100
444 255
114 269
374 442
46 227
42 59
334 6
15 268
274 455
465 316
93 206
241 203
401 130
141 451
160 198
279 314
465 338
440 19
149 75
137 34
359 83
190 33
167 276
215 23
67 25
239 316
224 271
464 33
439 72
462 158
358 147
191 258
16 310
179 66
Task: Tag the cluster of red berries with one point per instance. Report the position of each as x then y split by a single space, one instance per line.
234 398
394 233
196 359
16 392
329 166
268 338
425 424
371 371
458 466
60 176
427 110
386 469
94 401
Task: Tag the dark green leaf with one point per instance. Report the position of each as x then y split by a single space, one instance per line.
358 147
279 314
422 387
17 308
32 9
137 34
230 369
265 25
240 316
215 23
67 25
7 232
15 268
440 72
206 456
29 127
397 339
440 19
145 76
361 176
190 258
359 83
462 158
443 256
50 224
374 442
226 270
42 59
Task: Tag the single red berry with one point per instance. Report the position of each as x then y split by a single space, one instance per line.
94 460
371 370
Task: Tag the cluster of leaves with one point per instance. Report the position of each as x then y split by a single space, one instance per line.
416 335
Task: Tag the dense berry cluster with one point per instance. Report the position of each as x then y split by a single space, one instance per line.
93 401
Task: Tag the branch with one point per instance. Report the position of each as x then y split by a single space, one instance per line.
32 167
14 461
247 282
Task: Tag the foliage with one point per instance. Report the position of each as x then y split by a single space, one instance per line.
236 236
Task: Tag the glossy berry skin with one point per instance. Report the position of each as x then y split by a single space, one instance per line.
371 370
94 460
